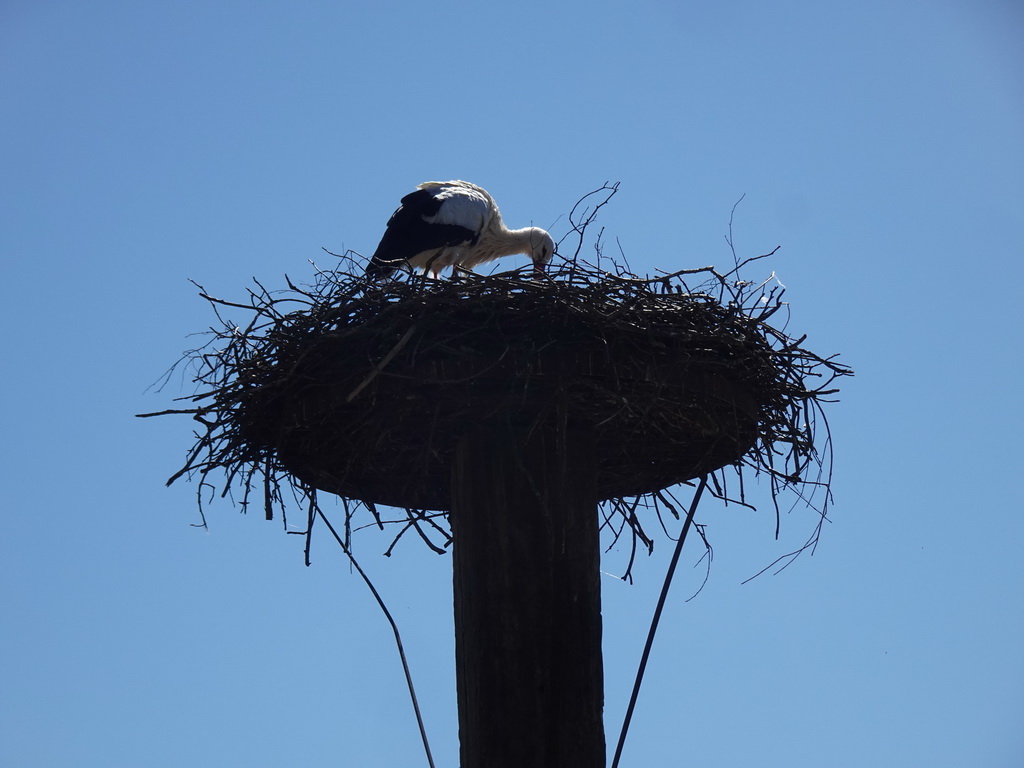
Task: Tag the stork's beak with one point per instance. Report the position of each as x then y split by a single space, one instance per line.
539 269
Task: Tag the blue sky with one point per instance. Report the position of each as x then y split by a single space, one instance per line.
881 145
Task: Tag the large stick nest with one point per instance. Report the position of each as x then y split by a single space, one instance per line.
364 390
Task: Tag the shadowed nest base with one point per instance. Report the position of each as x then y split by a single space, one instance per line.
372 406
364 390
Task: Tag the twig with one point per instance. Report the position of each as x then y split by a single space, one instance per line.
382 364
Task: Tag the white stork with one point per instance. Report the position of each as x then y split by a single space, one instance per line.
453 223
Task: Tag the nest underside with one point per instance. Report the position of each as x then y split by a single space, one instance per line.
370 404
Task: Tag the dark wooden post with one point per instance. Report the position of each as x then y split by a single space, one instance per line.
527 599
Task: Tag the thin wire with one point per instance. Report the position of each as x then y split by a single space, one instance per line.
394 628
656 619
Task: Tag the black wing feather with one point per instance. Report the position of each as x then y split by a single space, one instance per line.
408 234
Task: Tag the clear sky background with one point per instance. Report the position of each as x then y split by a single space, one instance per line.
880 144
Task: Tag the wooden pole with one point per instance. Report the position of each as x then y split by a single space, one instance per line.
526 556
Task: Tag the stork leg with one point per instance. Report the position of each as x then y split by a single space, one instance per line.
431 267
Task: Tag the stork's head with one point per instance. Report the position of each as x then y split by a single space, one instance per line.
542 248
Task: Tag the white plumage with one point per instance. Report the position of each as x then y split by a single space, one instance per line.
453 223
